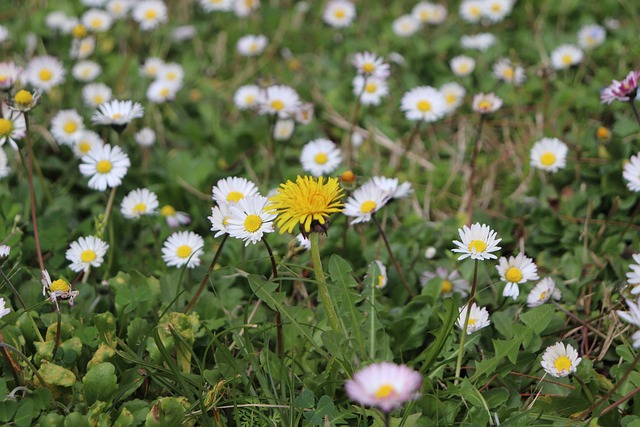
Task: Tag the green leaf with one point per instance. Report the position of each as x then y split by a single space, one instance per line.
325 408
8 409
305 400
100 383
538 318
504 348
56 375
26 413
448 315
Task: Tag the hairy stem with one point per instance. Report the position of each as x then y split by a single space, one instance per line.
466 321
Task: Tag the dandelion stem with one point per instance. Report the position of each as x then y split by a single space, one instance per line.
323 290
466 321
472 176
32 196
393 258
635 109
206 276
274 272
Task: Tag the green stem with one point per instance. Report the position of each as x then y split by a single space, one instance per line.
466 321
26 360
584 388
372 332
274 272
206 276
393 258
323 290
22 303
32 196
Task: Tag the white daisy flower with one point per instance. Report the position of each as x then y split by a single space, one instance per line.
392 187
97 20
453 95
251 45
233 189
478 318
497 10
304 115
95 94
382 279
5 170
279 99
542 292
450 281
364 202
423 103
477 242
559 361
216 5
82 48
633 276
44 72
55 20
3 309
283 129
139 202
480 42
183 247
630 172
145 137
85 141
173 217
632 316
9 74
486 103
106 166
370 89
149 14
86 252
507 72
303 242
405 26
171 72
12 126
243 8
462 65
566 56
151 67
515 271
65 126
320 157
117 113
339 13
119 8
58 289
162 91
370 64
471 10
247 97
429 13
219 218
249 220
590 36
549 154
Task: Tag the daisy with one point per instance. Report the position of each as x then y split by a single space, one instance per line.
462 65
58 289
5 170
183 247
162 91
633 276
145 137
304 115
370 89
95 94
507 72
320 157
173 217
279 99
106 166
55 20
370 64
219 218
621 91
306 202
632 316
283 129
405 26
477 242
542 292
97 20
12 126
559 361
497 10
302 242
85 141
149 14
44 72
118 8
453 95
251 45
423 103
471 10
384 385
478 318
631 172
480 42
151 67
249 220
82 48
4 310
86 252
429 13
117 113
365 201
339 13
171 72
382 279
25 101
391 187
565 56
139 202
590 36
515 271
216 5
549 154
485 103
232 190
9 74
243 8
65 126
449 281
246 97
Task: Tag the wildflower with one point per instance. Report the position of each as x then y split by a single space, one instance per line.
219 218
183 247
632 316
12 126
430 252
95 94
429 13
478 318
348 177
339 13
106 166
590 36
471 10
565 56
405 26
3 309
423 103
139 202
145 137
515 271
246 97
486 103
85 141
162 90
453 95
320 157
9 74
560 361
149 14
633 276
450 281
66 125
96 20
171 72
54 20
303 242
480 42
58 289
243 8
216 5
304 115
279 99
283 129
462 65
391 187
365 201
542 292
25 101
370 89
44 72
5 170
82 48
504 70
233 189
384 385
151 67
118 8
622 91
477 242
86 252
380 282
251 45
5 250
370 64
549 154
249 220
173 217
497 10
602 133
308 201
117 114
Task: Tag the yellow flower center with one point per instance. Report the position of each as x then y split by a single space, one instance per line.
167 210
140 208
3 78
463 68
562 363
474 11
370 87
70 127
23 97
249 99
451 98
87 255
384 391
104 166
6 126
234 196
368 67
253 47
277 105
45 74
225 221
98 99
477 246
513 275
567 59
368 206
59 285
252 223
164 91
340 13
380 281
84 147
117 116
548 158
543 296
150 14
447 286
183 251
472 321
496 7
171 75
484 105
424 15
508 73
79 31
424 106
96 23
321 158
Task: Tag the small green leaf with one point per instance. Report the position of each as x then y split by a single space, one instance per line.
56 375
538 318
305 400
100 383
